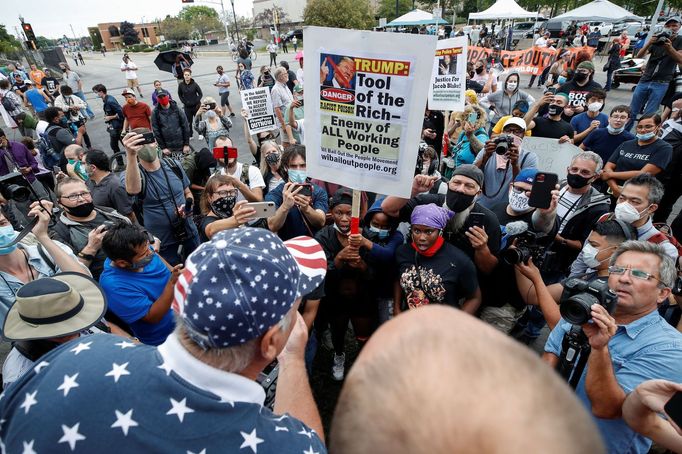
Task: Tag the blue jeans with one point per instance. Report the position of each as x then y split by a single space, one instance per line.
81 95
647 95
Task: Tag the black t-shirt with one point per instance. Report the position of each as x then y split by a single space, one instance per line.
51 84
205 221
577 95
632 156
435 121
444 278
459 239
544 127
661 66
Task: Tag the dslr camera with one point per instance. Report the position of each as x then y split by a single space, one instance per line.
502 143
14 186
665 34
528 245
578 297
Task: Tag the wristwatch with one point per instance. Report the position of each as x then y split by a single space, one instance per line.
86 256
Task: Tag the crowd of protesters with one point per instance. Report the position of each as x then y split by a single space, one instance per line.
170 286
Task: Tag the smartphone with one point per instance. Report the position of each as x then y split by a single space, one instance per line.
148 137
541 193
225 153
188 205
263 209
307 189
477 219
551 90
674 408
300 103
56 170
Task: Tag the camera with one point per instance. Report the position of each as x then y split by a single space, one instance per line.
662 36
677 287
502 143
578 297
14 186
179 230
527 246
210 106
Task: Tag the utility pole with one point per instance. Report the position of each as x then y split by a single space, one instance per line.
74 36
236 27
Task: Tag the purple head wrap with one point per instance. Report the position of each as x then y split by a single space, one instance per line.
430 215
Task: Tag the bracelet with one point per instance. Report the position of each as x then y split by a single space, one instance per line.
86 256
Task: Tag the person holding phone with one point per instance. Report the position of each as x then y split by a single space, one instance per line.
220 208
246 178
470 140
553 126
210 121
643 407
503 101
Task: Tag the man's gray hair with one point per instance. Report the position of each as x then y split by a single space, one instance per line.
655 186
590 156
279 71
666 268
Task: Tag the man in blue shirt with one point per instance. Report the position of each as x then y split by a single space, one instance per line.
630 346
301 205
113 117
593 118
138 283
38 99
197 392
604 141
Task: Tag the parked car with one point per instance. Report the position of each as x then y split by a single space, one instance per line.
522 30
556 29
166 45
630 26
603 27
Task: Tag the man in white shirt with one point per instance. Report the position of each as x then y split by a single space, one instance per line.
281 98
130 68
543 41
272 48
246 178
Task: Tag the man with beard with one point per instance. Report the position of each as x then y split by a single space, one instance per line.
474 229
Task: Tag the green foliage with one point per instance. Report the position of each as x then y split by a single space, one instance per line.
139 48
387 8
355 14
191 13
128 33
204 24
174 28
8 43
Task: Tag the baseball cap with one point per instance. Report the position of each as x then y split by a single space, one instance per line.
586 65
128 91
520 122
161 92
674 19
341 196
244 281
526 175
470 171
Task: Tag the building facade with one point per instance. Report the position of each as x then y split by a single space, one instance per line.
112 39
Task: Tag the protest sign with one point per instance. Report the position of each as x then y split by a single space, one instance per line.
448 76
364 120
259 105
553 156
529 61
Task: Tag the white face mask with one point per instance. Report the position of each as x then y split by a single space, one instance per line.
590 255
518 202
595 106
511 86
627 213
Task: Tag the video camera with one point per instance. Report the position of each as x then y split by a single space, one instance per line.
502 143
663 35
14 186
527 246
578 297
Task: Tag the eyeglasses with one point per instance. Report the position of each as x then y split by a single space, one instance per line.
520 190
620 117
584 172
639 274
228 193
75 197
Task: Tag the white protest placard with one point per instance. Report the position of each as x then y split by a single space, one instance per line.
553 156
448 75
364 120
258 103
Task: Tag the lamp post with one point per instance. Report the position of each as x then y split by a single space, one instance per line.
236 28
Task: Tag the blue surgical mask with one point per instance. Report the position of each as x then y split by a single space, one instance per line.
615 131
561 79
381 233
297 176
63 121
646 136
7 235
142 262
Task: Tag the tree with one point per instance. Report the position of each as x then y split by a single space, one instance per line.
356 14
191 13
204 24
8 43
387 8
267 17
176 29
128 33
44 43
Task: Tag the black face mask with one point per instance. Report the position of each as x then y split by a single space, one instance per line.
82 210
580 77
577 181
479 70
458 201
272 158
223 206
553 109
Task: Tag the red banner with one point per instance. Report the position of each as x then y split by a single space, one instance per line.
529 61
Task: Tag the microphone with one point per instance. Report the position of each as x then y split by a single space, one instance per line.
516 228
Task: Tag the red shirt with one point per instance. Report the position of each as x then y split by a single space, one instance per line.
137 115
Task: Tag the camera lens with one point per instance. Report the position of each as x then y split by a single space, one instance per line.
501 148
514 256
18 193
577 309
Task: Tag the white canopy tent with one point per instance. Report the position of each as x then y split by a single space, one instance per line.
598 10
503 9
415 17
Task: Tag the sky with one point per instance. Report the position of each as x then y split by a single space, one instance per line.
51 19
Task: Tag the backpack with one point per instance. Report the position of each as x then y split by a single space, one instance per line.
665 233
48 154
9 104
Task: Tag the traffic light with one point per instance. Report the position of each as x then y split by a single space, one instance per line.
28 31
187 1
275 14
